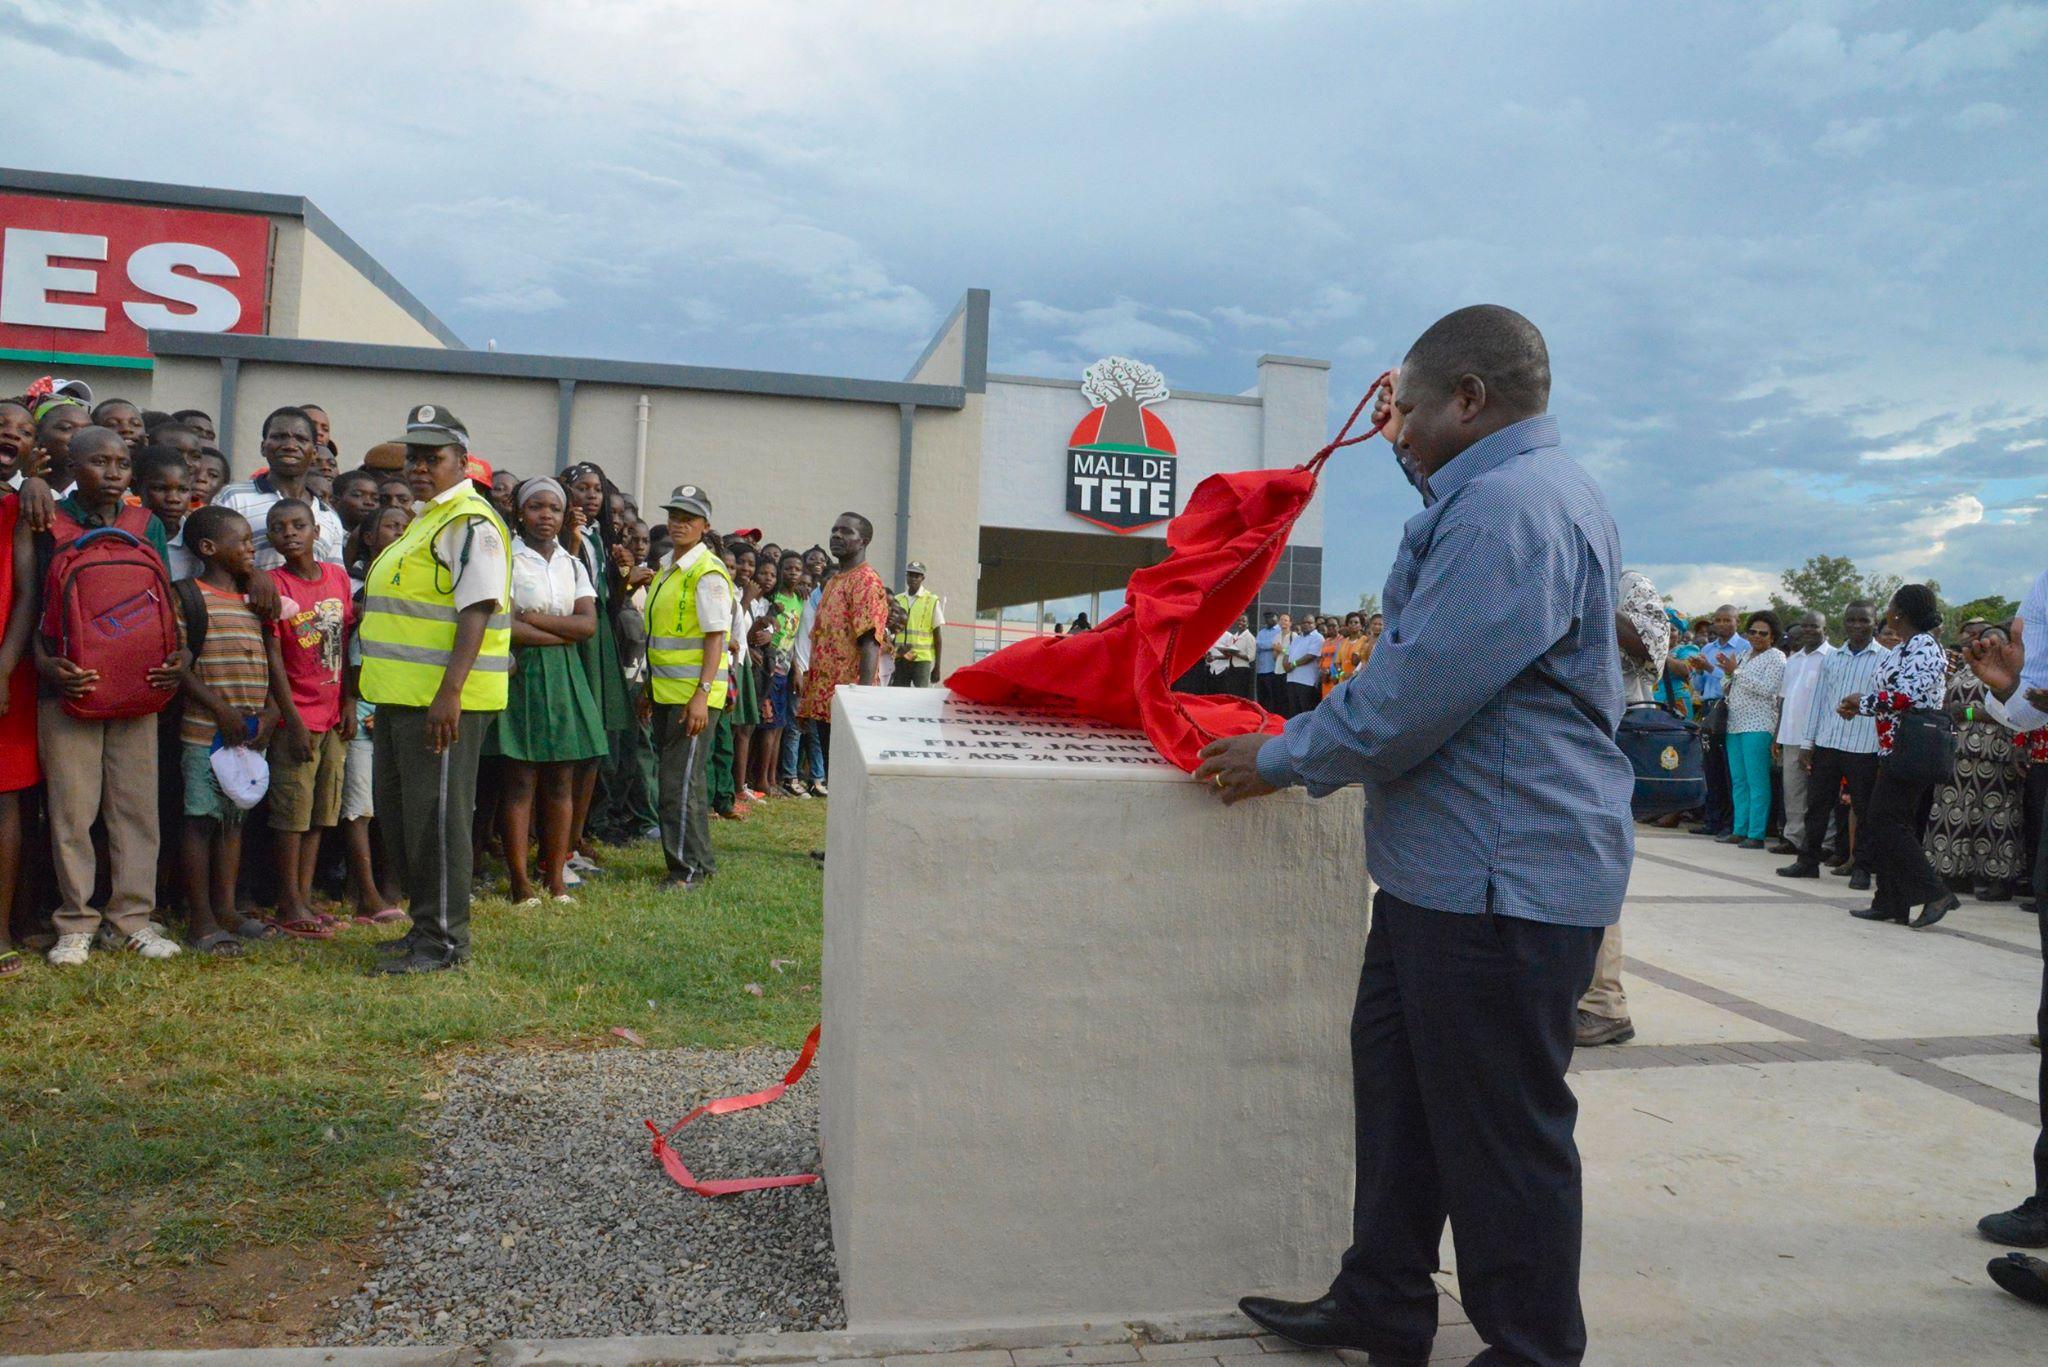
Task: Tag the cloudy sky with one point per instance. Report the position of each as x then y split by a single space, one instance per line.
1787 255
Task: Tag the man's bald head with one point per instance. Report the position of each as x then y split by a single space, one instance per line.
1471 374
1498 346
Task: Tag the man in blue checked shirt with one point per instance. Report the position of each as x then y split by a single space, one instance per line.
1497 827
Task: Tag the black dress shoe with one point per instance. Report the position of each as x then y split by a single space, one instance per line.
2025 1277
424 959
1859 880
1800 869
1874 912
1996 892
1786 847
400 947
2024 1226
1935 910
1323 1324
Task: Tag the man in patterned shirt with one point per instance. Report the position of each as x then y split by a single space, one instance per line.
1498 829
853 616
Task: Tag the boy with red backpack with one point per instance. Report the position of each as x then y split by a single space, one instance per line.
111 655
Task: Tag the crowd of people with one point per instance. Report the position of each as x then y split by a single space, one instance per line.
379 678
1877 756
1286 668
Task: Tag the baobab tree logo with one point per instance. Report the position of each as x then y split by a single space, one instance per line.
1121 457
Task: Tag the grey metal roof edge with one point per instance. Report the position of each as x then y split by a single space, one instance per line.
1193 395
151 192
1311 362
514 365
236 201
351 251
974 304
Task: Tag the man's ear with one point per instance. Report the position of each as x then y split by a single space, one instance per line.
1469 393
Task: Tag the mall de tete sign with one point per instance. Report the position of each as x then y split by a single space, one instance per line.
1121 459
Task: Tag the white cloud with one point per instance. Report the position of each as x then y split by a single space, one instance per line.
1921 540
1850 137
516 299
1812 61
1981 116
1117 328
1694 589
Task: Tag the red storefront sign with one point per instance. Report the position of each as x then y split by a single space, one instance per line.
85 278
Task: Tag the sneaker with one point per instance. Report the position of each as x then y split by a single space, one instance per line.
71 950
818 790
151 943
1597 1030
583 863
798 790
2024 1226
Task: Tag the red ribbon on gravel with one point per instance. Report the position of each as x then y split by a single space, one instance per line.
672 1162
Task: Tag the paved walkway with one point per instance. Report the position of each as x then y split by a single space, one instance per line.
1785 1166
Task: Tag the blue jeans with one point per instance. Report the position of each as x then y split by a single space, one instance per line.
1749 772
800 745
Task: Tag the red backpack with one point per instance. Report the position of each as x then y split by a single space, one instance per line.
108 608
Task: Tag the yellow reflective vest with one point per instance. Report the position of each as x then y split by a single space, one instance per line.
675 638
407 632
916 641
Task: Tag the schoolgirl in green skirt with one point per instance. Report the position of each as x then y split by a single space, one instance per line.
552 724
587 532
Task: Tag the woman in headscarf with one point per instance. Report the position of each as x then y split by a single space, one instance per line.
587 535
1973 834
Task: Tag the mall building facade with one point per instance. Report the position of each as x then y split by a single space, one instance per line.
1016 491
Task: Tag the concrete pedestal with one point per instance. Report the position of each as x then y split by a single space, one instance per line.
1086 1051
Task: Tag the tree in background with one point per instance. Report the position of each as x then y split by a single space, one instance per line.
1829 583
1991 608
1368 604
1124 388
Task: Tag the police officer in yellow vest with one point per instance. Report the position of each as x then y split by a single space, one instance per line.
436 641
917 645
689 615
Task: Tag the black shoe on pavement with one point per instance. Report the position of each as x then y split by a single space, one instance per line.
1729 838
2024 1226
1859 880
1752 844
1996 892
423 959
1594 1031
1874 912
1323 1324
1788 848
2025 1277
1800 869
1935 910
1701 828
1841 870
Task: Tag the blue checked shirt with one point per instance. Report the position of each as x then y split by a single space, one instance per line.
1483 726
1841 674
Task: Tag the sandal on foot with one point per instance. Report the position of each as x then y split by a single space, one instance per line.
256 928
12 964
222 944
305 929
380 918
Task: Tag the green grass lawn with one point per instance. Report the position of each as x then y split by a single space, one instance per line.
189 1106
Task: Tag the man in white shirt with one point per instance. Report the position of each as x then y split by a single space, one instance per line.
288 448
1808 642
1304 652
1230 660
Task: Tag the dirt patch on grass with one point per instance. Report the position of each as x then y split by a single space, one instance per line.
63 1294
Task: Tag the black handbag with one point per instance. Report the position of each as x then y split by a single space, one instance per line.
1668 757
1923 747
1714 721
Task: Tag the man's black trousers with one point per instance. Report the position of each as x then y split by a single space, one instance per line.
1824 794
1459 1043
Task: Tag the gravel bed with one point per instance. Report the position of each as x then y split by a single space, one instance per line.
541 1214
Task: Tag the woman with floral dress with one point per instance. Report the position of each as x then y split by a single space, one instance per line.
1916 749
